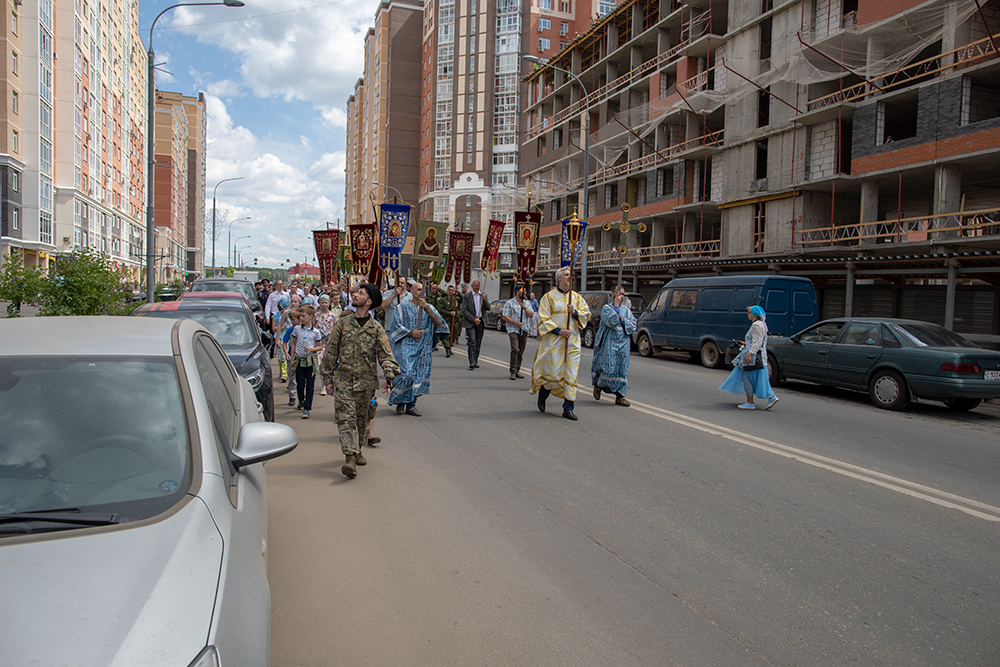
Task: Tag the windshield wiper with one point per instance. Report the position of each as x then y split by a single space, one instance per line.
69 515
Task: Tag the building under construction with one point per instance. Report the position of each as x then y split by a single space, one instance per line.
855 142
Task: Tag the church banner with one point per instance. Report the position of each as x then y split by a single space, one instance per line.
345 260
492 246
569 247
327 242
362 247
526 226
429 243
460 256
393 223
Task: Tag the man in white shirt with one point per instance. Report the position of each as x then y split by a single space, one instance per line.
271 306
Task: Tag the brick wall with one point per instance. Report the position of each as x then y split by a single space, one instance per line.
870 11
823 150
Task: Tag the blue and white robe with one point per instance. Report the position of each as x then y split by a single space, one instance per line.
612 345
413 355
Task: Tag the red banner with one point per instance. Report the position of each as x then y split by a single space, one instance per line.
526 228
492 246
362 246
327 242
460 256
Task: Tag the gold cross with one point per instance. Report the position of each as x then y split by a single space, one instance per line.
623 227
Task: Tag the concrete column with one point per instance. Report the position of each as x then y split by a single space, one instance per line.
949 300
849 291
947 196
690 232
604 280
869 209
658 233
663 41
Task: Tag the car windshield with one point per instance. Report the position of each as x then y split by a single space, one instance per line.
97 434
925 334
240 287
230 327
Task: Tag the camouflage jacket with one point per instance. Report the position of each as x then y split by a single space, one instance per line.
447 306
353 351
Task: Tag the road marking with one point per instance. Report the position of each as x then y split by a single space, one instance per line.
897 484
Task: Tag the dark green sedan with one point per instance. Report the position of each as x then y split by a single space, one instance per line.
894 360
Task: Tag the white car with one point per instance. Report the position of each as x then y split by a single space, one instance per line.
133 517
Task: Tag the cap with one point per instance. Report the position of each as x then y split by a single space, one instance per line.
374 294
412 281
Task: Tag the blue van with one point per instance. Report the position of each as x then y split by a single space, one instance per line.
704 315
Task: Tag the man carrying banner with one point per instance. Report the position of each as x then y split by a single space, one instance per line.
562 315
415 324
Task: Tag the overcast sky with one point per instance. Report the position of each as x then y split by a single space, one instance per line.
276 76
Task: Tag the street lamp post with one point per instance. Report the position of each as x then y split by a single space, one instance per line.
586 160
236 255
390 187
214 191
229 260
235 244
150 144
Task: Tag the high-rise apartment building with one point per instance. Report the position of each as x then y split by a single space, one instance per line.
852 141
383 114
179 184
11 158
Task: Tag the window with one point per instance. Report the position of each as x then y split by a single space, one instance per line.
564 8
683 299
765 38
759 227
610 195
13 63
544 24
220 395
13 23
14 102
716 299
543 43
14 140
15 181
764 107
15 218
861 333
821 333
564 28
545 4
760 168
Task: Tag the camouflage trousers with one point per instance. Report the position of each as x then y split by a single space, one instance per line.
354 408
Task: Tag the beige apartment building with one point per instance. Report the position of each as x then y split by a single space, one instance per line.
11 158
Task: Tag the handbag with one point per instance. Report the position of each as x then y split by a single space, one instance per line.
758 363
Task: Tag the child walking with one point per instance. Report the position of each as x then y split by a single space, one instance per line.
307 340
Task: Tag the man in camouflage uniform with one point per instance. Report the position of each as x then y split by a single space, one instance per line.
356 344
450 308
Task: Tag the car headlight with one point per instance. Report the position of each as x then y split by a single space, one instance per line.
256 377
209 657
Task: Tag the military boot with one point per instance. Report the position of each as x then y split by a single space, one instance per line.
360 459
350 470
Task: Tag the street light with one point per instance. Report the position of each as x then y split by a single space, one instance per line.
235 243
150 147
214 191
305 257
230 243
586 159
236 254
390 187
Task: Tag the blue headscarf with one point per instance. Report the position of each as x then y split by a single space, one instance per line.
758 312
283 303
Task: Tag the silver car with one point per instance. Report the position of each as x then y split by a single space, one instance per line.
133 517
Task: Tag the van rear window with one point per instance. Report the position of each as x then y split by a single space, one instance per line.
683 299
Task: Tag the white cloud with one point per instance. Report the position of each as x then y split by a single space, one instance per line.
335 117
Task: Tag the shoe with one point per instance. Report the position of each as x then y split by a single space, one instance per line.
518 376
291 402
360 459
568 414
770 404
350 469
513 376
283 379
747 406
300 407
622 402
374 441
541 403
447 353
413 412
400 409
322 392
305 414
477 365
471 367
597 393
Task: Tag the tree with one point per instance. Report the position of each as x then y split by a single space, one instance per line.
18 283
84 282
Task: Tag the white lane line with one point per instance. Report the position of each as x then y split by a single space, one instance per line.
897 484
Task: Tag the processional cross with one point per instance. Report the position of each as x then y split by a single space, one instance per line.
623 228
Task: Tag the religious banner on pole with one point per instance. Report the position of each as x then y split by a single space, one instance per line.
459 256
526 227
345 260
362 246
327 242
429 243
393 223
569 247
437 273
492 246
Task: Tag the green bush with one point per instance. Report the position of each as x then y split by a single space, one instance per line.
84 282
18 283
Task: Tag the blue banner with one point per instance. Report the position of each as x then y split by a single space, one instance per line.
564 245
394 221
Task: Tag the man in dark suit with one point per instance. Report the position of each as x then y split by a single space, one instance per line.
475 305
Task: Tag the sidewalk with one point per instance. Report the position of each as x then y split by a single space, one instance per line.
27 310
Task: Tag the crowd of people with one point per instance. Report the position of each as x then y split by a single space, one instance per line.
346 334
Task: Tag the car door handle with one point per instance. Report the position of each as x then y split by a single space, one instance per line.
872 356
821 352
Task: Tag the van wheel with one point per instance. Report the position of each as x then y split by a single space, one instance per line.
500 324
710 355
772 370
645 346
888 390
588 337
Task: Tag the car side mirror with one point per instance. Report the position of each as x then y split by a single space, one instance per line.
262 441
794 339
266 337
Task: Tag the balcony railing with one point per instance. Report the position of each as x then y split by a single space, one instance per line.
968 224
961 56
607 259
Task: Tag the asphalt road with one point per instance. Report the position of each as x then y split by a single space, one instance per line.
680 531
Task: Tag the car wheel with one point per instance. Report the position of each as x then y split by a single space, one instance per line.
772 370
962 404
888 390
588 337
711 357
645 346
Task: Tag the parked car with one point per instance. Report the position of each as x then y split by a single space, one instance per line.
494 318
596 300
704 315
133 514
238 285
893 360
234 327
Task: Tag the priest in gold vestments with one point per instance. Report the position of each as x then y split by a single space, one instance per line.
562 316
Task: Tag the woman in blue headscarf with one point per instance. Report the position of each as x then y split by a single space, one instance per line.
752 382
